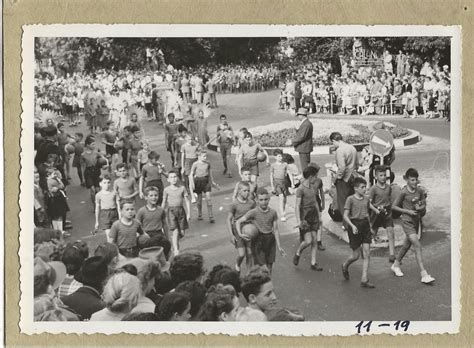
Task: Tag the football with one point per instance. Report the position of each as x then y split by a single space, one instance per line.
261 157
250 230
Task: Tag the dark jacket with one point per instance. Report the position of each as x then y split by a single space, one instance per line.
303 140
85 301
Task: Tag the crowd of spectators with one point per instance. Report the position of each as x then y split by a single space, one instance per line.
405 85
74 282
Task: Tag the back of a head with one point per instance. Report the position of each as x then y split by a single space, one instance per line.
196 292
187 266
140 317
220 299
74 255
121 292
172 303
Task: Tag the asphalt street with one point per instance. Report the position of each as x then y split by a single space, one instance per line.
322 296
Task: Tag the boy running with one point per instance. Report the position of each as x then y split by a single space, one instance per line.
105 206
268 239
175 198
356 216
412 204
307 216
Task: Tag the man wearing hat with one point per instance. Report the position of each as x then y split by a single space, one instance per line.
303 140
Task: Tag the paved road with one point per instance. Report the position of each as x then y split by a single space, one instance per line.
325 295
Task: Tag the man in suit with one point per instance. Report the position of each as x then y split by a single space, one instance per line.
303 140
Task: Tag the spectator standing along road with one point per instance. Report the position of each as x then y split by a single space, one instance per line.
346 161
303 140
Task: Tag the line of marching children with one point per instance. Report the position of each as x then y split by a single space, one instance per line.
253 225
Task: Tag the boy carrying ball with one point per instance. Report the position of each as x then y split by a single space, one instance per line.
268 239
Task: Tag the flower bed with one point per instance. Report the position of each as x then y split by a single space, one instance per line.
353 132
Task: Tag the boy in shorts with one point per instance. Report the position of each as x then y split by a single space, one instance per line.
239 208
123 232
105 206
171 129
89 166
412 204
381 208
175 198
278 175
319 191
356 216
124 186
245 174
152 218
151 176
307 216
268 238
189 155
200 181
109 137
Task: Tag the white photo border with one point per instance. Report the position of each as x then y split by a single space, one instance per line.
340 328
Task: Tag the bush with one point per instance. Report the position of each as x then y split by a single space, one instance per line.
279 138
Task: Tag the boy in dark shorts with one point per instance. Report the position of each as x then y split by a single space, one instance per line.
78 150
105 206
152 218
239 208
201 181
412 204
278 175
151 176
356 216
268 239
175 198
171 129
123 232
109 137
319 190
89 167
381 208
307 216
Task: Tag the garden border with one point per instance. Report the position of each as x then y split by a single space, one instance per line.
412 138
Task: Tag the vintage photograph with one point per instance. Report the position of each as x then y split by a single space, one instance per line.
251 173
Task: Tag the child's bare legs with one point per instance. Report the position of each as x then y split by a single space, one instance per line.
304 244
355 256
199 205
366 260
269 266
209 206
79 174
419 258
107 232
57 225
248 257
114 161
175 242
282 201
401 253
391 242
67 166
314 249
92 192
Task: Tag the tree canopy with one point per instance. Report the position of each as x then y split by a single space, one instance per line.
70 54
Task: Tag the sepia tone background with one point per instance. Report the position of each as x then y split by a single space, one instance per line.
20 12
